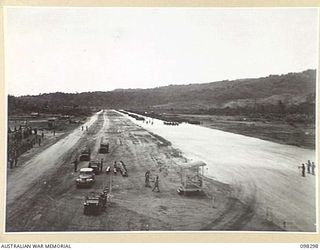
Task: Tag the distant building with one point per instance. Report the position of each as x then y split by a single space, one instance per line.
52 122
34 114
65 117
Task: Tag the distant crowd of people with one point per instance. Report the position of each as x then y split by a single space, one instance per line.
21 140
148 121
310 167
171 123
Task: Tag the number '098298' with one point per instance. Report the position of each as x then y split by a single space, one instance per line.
310 246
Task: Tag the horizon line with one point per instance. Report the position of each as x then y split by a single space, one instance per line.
162 86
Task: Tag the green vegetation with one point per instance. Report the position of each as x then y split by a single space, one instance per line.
278 107
293 93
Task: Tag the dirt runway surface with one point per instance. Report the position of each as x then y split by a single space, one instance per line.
42 195
263 175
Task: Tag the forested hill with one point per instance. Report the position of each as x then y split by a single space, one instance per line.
289 91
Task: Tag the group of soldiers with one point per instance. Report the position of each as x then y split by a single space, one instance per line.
310 168
21 132
21 140
148 121
171 123
82 128
156 182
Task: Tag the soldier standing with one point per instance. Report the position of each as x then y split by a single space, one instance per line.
147 177
303 170
115 167
75 165
313 166
10 162
156 184
101 165
308 166
103 197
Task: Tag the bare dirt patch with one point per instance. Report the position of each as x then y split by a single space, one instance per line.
53 203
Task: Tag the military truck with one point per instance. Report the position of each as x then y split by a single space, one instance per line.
85 155
95 203
86 178
104 146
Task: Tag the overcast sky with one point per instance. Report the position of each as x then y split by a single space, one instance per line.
101 49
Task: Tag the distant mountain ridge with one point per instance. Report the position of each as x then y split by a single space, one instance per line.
289 89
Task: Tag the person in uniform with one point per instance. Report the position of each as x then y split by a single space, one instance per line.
313 166
156 185
308 166
101 165
147 179
303 170
75 165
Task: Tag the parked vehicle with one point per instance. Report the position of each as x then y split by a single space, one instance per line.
95 203
96 166
85 155
104 147
86 177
